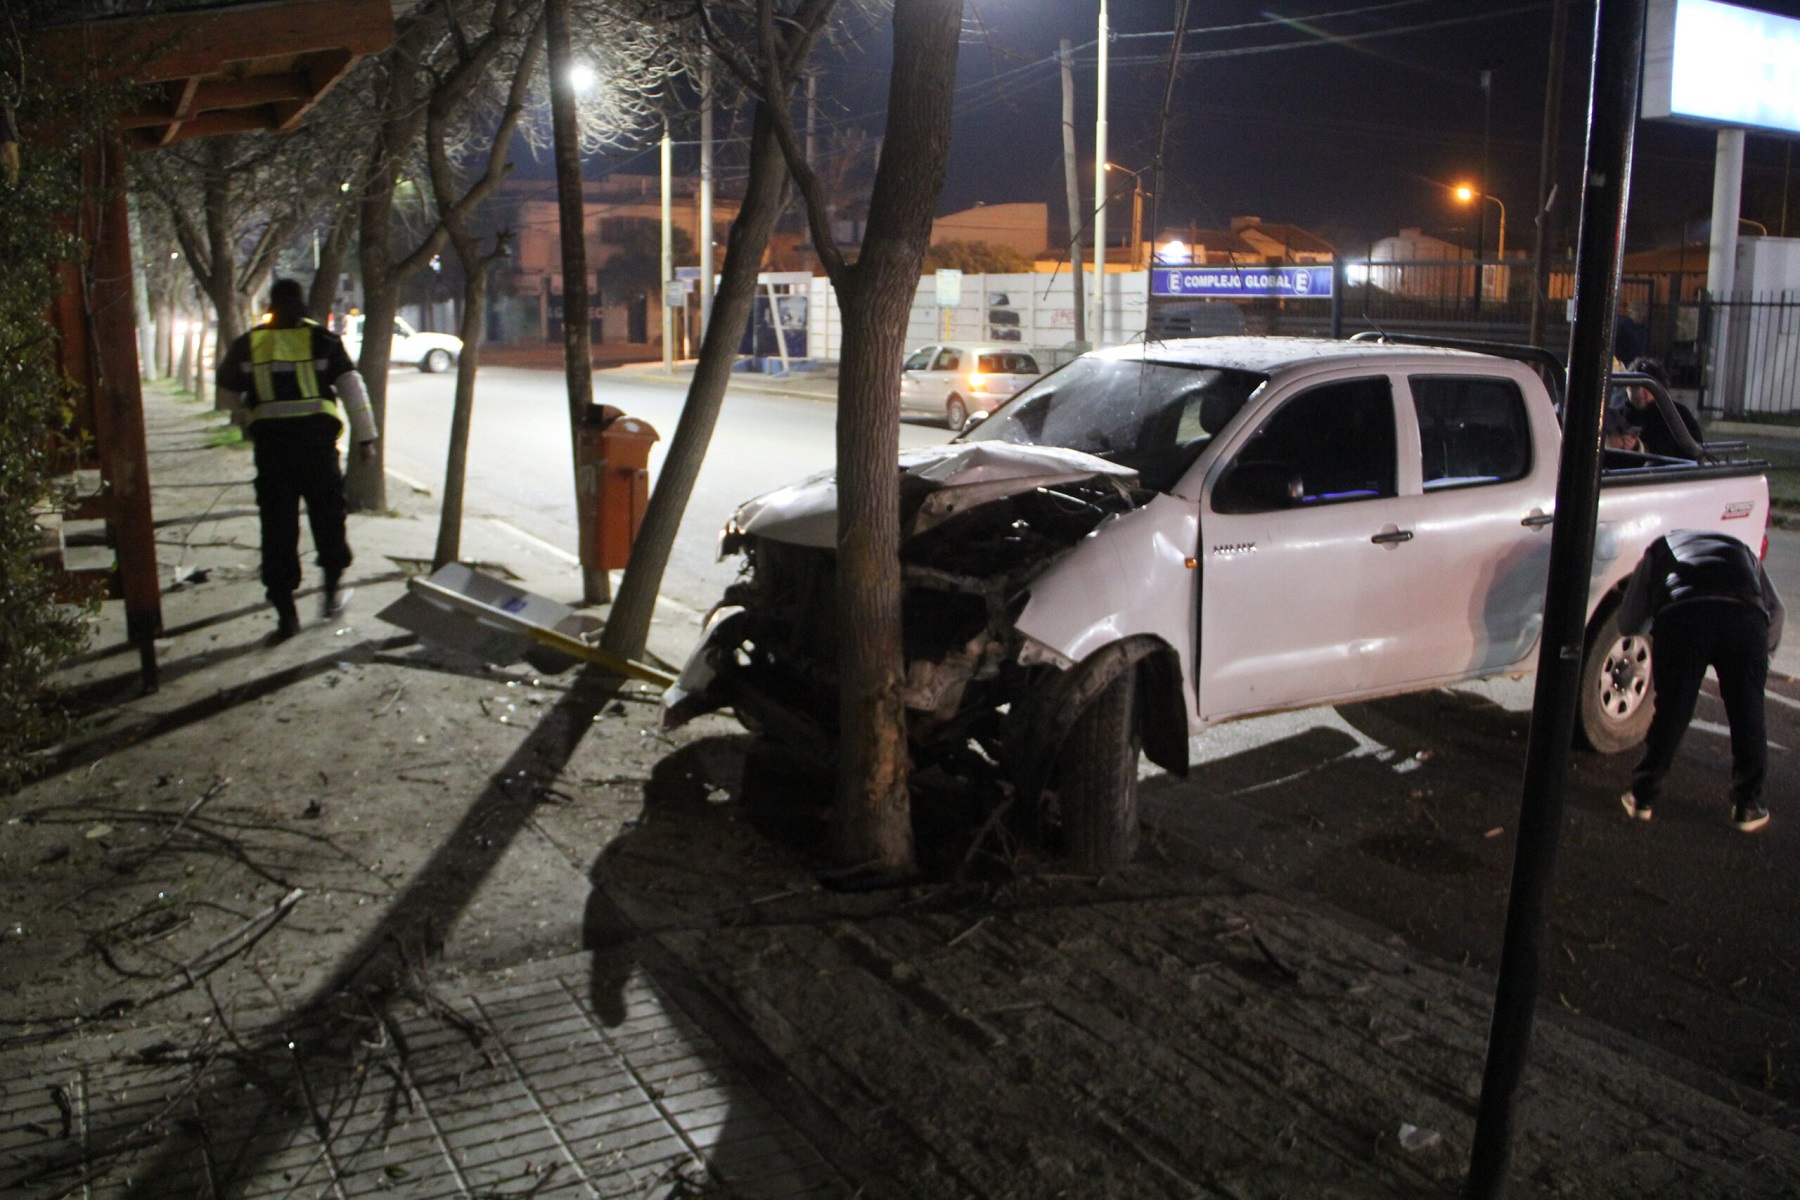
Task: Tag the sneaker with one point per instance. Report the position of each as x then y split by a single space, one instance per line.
333 602
1634 807
1750 817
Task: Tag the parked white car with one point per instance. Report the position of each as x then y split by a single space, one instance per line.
955 381
1155 539
430 352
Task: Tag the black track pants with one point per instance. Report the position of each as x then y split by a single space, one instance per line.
297 460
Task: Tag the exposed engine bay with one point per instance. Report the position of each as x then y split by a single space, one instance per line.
979 522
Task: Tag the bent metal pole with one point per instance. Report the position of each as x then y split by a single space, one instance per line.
1612 113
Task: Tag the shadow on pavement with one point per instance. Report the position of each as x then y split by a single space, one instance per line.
308 1068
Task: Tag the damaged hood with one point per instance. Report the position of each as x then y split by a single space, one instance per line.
957 476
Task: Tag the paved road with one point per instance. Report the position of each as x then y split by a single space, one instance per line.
519 456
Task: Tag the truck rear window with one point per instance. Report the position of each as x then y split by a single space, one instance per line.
1472 430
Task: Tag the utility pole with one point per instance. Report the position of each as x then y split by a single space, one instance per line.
1487 113
1100 187
1547 155
668 251
1072 184
706 192
1606 174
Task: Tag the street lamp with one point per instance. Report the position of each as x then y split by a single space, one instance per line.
1137 214
1466 194
1098 307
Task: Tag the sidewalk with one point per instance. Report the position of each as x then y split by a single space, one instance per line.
348 915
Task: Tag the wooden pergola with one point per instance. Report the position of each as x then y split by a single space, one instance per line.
231 68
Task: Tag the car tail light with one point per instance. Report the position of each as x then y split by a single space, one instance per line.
1764 552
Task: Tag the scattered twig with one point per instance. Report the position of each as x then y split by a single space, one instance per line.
1288 973
969 932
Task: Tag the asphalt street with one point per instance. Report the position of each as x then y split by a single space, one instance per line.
519 450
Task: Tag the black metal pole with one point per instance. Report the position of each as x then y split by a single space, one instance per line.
1547 162
1612 113
1481 188
1338 276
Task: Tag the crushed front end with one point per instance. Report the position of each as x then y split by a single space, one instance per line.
978 522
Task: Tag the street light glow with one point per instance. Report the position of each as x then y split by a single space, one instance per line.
1465 193
582 77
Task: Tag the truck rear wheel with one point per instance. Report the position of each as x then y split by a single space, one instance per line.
1097 779
1618 697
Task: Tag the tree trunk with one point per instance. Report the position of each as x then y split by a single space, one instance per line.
322 296
449 539
765 197
571 208
872 827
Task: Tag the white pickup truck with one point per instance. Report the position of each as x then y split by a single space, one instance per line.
1158 538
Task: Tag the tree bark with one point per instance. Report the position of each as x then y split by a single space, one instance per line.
336 248
571 211
454 211
765 197
872 825
475 276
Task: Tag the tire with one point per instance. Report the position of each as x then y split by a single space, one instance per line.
1618 697
956 414
435 361
1096 780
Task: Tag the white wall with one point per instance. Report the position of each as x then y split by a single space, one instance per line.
1041 308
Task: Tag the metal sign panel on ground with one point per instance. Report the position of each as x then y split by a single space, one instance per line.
1311 283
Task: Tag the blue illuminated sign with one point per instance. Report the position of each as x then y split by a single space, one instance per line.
1300 283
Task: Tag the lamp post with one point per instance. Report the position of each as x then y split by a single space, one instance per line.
1137 214
1467 194
1099 305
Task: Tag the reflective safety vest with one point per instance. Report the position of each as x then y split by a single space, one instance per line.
284 376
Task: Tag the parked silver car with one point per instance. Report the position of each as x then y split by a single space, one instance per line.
955 380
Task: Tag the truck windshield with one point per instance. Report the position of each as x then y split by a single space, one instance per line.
1153 417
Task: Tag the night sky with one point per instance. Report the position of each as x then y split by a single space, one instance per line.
1349 118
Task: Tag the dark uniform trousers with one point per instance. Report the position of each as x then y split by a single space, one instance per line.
297 460
1733 638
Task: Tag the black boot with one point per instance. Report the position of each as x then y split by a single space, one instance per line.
287 618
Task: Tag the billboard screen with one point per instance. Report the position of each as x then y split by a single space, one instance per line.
1721 64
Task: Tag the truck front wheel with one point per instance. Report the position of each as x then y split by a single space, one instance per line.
1617 696
1097 779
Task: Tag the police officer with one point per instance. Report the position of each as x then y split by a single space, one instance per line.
290 374
1708 602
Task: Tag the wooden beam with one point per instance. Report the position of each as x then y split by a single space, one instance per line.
168 46
323 70
252 90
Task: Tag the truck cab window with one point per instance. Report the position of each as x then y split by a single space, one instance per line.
1472 430
1328 445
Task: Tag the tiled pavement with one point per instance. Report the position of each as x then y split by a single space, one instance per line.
502 1085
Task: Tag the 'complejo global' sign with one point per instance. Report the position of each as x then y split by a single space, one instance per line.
1307 283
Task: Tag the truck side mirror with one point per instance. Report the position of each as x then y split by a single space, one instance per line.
1253 487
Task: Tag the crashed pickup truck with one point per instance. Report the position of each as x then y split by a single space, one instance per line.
1158 538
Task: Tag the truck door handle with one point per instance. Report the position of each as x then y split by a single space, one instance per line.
1538 520
1397 535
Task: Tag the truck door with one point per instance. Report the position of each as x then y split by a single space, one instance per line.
1481 531
1304 552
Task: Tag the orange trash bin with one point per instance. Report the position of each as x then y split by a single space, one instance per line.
612 484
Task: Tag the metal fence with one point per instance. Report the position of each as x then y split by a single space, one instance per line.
1748 353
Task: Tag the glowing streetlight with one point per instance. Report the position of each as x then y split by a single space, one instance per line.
1137 213
582 77
1467 195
